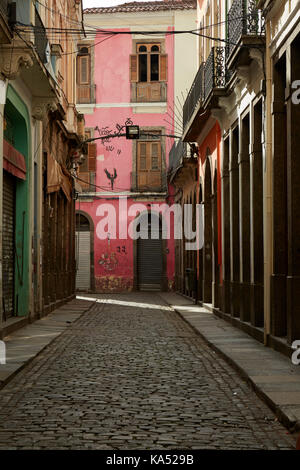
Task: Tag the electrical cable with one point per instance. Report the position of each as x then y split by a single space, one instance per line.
119 16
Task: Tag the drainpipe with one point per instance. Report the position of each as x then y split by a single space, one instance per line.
267 146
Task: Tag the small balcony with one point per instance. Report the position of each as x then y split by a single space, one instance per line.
182 163
215 76
194 97
146 92
209 84
86 94
178 152
246 28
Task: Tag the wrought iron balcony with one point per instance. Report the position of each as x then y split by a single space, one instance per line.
177 153
194 96
40 37
244 19
214 71
212 75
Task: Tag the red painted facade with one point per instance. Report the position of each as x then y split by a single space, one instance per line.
114 259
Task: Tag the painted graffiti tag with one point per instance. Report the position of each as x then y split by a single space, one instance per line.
107 131
109 261
122 249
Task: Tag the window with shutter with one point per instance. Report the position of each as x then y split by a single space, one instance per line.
154 156
148 69
143 156
84 181
84 88
133 68
163 68
92 154
87 168
149 165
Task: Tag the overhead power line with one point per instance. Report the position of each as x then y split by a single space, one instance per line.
96 28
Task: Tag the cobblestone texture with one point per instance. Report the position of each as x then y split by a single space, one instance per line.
129 377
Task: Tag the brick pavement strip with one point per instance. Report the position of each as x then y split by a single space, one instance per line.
133 376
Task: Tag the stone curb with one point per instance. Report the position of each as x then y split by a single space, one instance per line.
288 414
24 344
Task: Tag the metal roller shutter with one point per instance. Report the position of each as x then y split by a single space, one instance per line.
150 268
8 241
83 253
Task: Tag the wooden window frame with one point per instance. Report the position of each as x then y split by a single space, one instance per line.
162 62
87 170
85 88
153 176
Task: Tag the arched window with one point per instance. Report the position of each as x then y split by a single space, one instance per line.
148 65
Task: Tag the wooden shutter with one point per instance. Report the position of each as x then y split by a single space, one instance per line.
154 175
163 72
149 165
134 68
84 181
155 154
83 79
92 154
143 156
83 70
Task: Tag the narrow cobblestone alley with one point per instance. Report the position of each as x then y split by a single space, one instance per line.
131 374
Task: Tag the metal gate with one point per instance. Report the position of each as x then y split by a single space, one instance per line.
8 243
83 260
150 261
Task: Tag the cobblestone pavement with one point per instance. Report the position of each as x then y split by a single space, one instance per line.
133 377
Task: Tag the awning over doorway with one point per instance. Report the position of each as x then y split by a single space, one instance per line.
13 161
58 178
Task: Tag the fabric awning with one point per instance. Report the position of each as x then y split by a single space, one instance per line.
58 178
13 161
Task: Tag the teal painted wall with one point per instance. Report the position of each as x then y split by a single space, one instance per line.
19 116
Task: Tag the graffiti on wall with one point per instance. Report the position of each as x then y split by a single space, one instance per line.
108 131
108 261
111 177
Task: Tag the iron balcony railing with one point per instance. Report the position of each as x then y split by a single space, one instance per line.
211 74
40 37
194 95
176 156
243 19
214 71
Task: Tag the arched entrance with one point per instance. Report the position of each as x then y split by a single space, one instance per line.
150 263
83 253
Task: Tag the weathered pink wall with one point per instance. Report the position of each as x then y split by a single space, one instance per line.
111 77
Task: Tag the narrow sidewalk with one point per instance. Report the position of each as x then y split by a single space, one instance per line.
272 375
24 344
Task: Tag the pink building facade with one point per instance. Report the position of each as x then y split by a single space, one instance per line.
129 78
